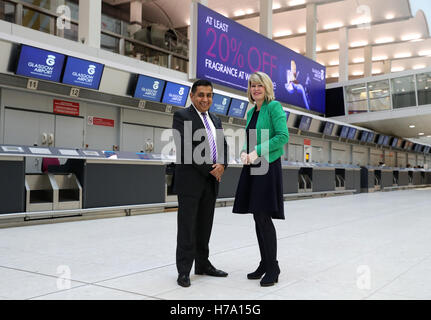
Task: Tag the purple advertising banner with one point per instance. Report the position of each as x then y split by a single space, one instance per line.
227 53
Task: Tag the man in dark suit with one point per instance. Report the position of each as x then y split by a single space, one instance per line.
201 161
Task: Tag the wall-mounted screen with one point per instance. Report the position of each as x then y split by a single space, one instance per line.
394 142
287 114
344 131
399 143
149 88
82 73
418 147
371 137
364 136
175 94
351 134
41 64
220 104
329 127
305 123
228 52
386 140
380 139
427 149
237 108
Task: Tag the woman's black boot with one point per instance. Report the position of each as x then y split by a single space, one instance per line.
256 275
271 275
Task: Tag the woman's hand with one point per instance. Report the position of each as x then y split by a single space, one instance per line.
252 157
244 158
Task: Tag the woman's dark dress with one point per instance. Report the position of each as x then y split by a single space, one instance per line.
260 194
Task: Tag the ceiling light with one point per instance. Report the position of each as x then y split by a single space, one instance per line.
358 44
357 73
334 63
276 6
411 36
296 2
421 134
361 20
358 60
249 11
397 69
428 136
402 55
412 126
302 30
283 33
418 66
318 49
384 40
378 58
239 13
376 71
333 25
390 16
333 47
425 53
335 75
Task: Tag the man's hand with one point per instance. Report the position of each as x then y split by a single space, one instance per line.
218 170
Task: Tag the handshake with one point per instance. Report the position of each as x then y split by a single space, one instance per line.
249 158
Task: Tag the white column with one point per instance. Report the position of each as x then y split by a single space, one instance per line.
135 16
368 63
387 66
90 20
265 18
310 37
343 68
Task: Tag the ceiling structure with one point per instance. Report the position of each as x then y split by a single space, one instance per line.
399 39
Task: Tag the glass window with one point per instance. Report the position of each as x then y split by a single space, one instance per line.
378 93
403 92
356 97
7 11
423 81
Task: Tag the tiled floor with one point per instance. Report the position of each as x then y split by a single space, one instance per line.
366 246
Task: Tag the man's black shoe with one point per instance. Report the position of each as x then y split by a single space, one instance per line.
211 271
183 280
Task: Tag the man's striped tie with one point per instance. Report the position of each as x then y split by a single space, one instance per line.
210 138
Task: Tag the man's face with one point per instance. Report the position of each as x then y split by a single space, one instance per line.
203 98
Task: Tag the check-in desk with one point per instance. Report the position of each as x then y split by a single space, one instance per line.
401 177
368 179
290 171
347 177
12 176
323 177
417 177
385 175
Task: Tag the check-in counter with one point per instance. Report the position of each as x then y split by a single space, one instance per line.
12 180
401 177
417 177
385 176
290 173
348 177
323 177
368 179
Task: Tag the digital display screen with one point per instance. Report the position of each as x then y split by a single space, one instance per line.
351 134
229 52
427 149
394 142
82 73
344 131
220 104
305 123
386 140
364 136
175 94
149 88
399 143
41 64
371 137
380 139
418 147
329 127
237 108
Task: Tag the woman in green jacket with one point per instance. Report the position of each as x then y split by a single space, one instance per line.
260 187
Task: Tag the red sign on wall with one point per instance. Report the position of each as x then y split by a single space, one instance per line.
307 142
66 107
95 121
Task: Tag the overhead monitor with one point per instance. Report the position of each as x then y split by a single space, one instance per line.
40 64
344 131
220 104
351 134
399 143
82 73
380 139
175 94
427 149
371 137
149 88
386 140
329 127
364 136
237 108
394 142
305 123
287 114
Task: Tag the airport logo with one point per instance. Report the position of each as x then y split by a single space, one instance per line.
156 85
91 69
224 101
50 60
181 92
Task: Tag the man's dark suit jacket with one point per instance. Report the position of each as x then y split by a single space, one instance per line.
190 177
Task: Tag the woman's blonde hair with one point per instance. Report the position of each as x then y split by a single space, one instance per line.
265 80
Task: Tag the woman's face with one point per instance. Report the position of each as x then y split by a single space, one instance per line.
257 91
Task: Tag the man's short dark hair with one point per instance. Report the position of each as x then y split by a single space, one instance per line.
201 82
